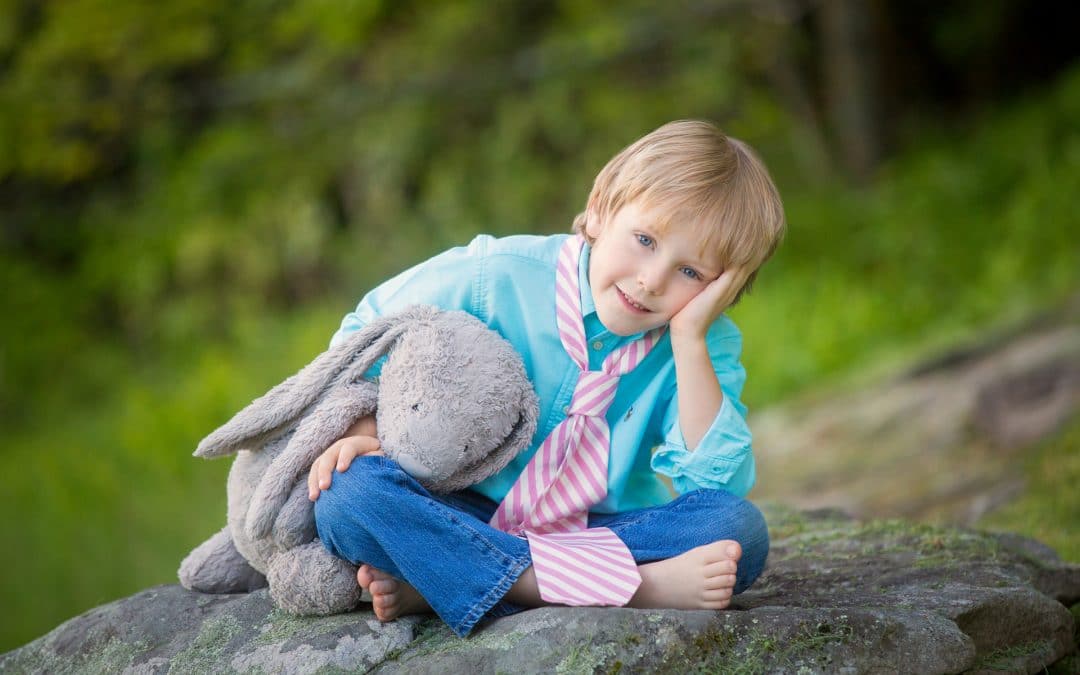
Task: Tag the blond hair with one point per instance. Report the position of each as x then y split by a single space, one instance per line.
697 176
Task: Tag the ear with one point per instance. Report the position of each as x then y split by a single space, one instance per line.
272 414
520 436
593 224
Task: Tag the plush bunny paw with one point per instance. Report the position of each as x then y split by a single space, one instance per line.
307 580
215 566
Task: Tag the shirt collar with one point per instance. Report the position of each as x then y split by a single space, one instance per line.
588 305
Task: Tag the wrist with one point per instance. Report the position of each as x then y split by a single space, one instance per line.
365 426
684 340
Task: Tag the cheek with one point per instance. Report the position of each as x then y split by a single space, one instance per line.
625 255
683 295
604 263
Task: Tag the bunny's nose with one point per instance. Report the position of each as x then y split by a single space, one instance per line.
414 468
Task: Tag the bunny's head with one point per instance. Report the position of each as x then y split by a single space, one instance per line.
455 404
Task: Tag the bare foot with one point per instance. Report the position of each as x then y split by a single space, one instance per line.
390 598
701 578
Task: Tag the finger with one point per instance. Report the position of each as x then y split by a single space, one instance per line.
326 465
355 446
716 298
739 276
345 457
313 481
733 276
317 478
725 287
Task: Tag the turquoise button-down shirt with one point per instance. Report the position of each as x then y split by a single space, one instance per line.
509 284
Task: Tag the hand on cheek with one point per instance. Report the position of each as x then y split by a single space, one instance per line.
694 319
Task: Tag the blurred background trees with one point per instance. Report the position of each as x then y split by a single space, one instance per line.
192 193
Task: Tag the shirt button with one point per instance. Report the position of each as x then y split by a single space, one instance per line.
598 345
566 410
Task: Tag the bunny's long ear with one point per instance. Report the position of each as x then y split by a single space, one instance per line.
343 405
328 422
273 413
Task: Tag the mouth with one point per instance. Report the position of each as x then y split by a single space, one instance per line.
414 467
632 304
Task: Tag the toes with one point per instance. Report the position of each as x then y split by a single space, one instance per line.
364 576
383 587
720 581
387 613
721 568
377 574
387 607
716 604
385 598
717 595
732 550
725 550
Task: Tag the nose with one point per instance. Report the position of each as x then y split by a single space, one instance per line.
651 278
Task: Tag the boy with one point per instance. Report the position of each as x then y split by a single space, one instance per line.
675 229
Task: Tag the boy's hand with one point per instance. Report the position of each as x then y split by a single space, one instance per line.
339 456
694 319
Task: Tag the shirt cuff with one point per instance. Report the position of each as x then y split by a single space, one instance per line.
721 452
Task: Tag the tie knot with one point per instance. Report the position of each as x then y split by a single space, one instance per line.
594 393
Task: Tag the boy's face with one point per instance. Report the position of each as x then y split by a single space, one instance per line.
641 274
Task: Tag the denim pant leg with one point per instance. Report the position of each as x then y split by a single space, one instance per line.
694 519
376 513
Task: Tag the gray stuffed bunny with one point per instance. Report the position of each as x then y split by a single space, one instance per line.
453 406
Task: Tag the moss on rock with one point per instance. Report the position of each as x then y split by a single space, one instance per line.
209 647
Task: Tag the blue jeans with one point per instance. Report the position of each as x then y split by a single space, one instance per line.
442 545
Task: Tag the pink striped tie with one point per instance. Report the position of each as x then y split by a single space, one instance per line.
550 501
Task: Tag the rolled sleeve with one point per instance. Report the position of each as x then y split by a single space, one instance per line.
723 459
720 459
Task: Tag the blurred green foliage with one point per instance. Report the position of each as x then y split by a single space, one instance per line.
185 164
192 193
968 231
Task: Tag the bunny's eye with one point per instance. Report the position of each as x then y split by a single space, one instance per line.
416 406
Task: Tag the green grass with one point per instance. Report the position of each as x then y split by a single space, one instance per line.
107 499
959 235
1049 509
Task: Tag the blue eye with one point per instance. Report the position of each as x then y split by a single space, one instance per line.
691 273
645 240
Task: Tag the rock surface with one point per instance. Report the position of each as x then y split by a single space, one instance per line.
838 595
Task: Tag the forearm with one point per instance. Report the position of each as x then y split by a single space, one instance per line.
699 394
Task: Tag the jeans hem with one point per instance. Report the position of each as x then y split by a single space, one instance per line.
485 604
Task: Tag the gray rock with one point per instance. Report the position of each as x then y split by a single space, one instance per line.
838 596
